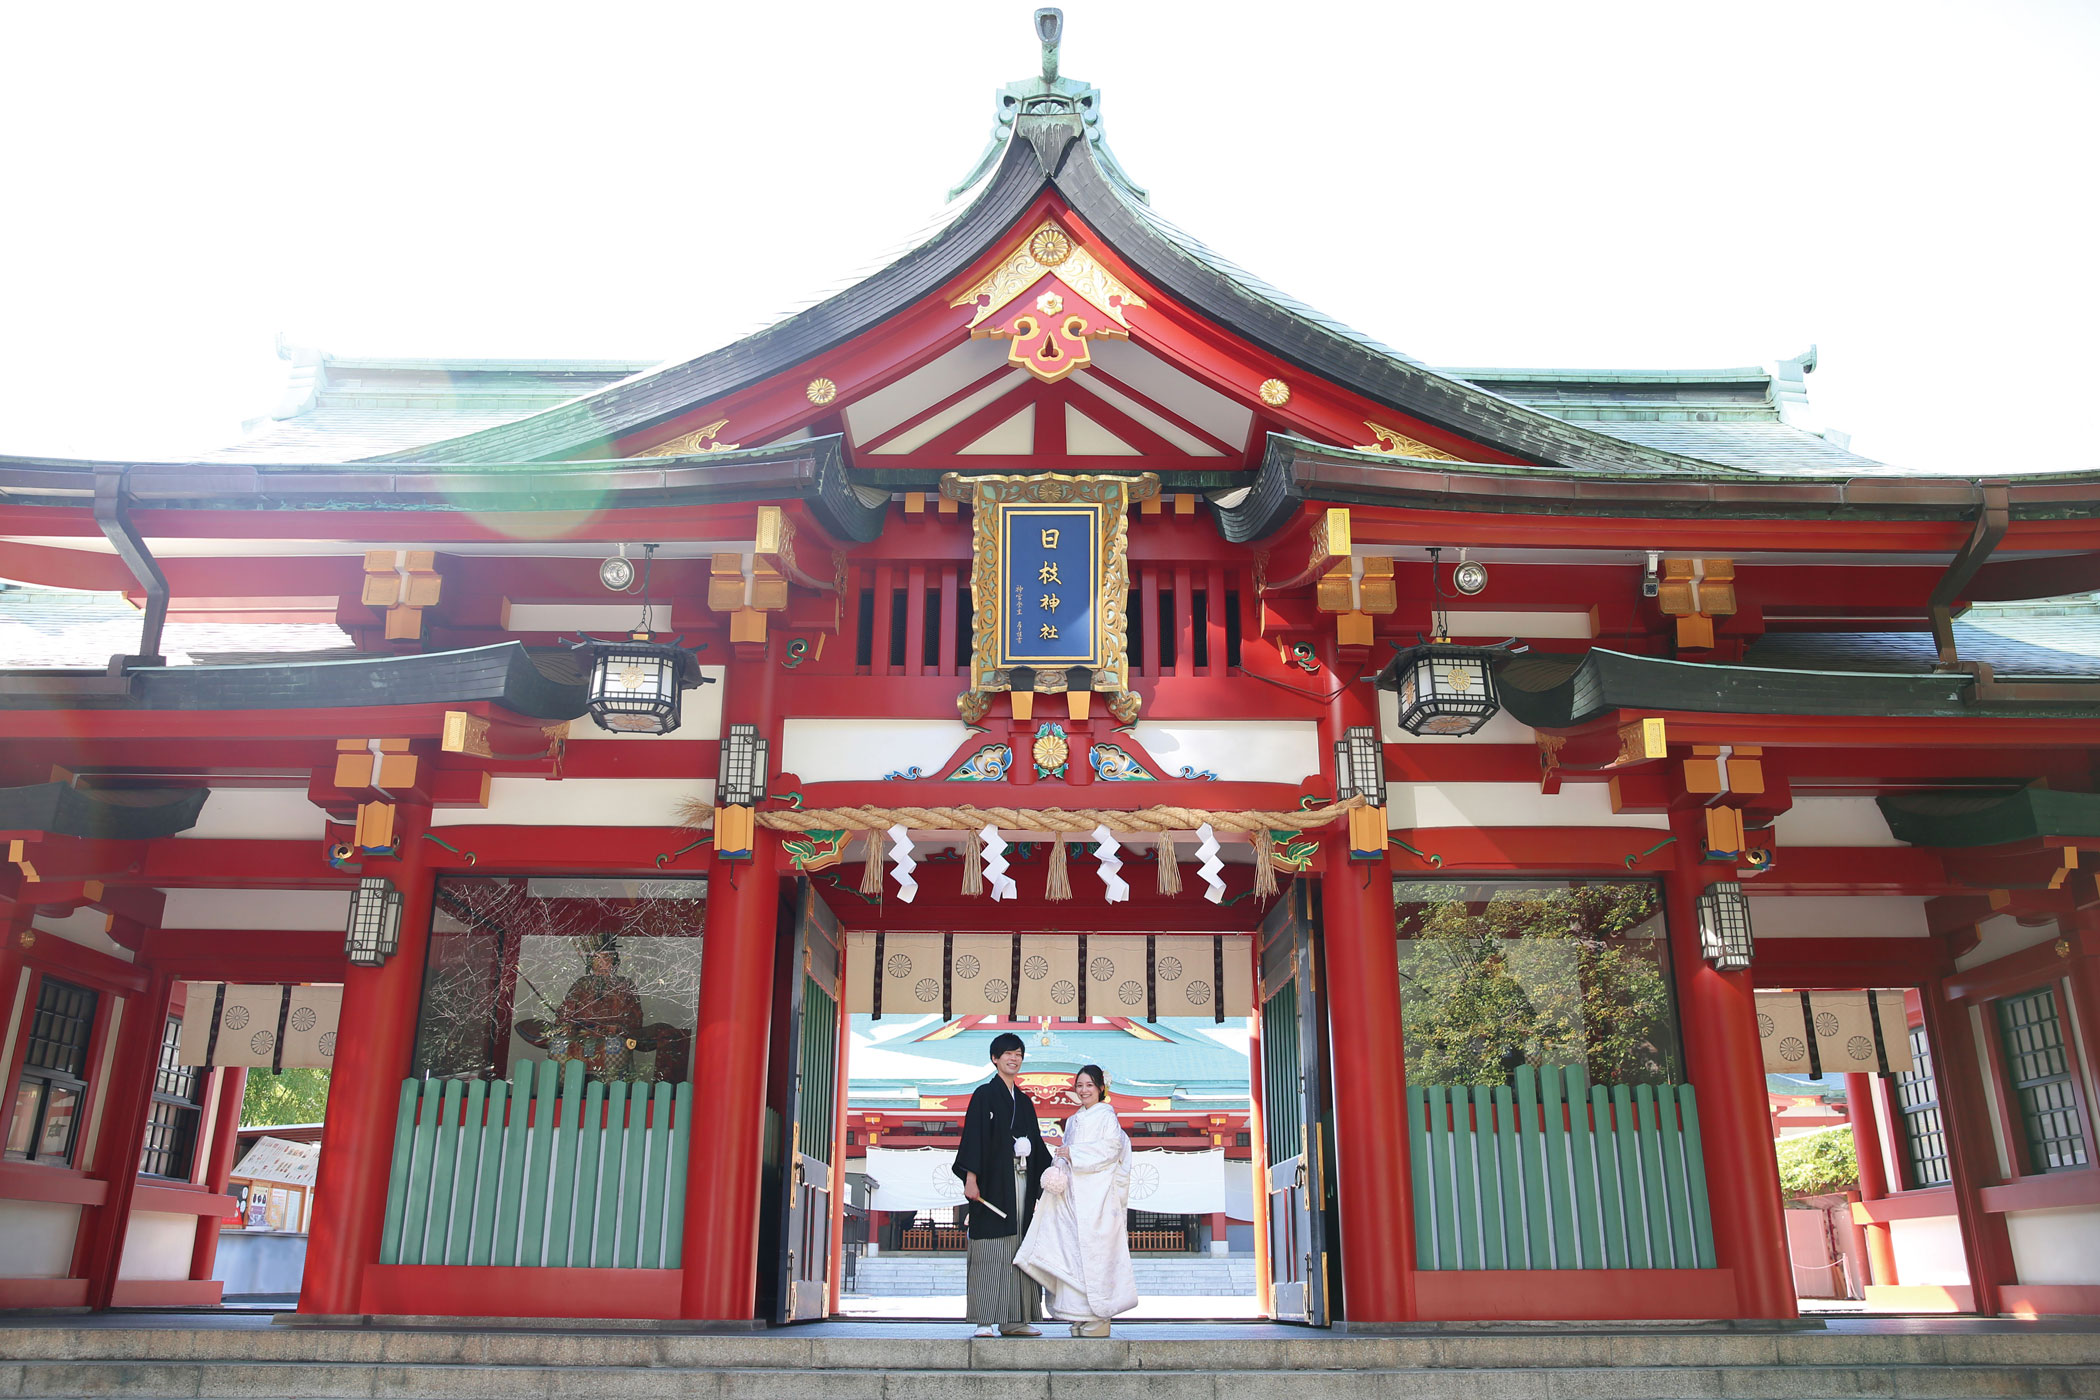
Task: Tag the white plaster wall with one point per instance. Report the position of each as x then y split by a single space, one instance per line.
1508 804
87 927
580 802
157 1246
2055 1246
257 909
1836 916
1502 729
36 1239
1929 1250
1257 751
2002 935
1833 821
865 750
257 814
1486 625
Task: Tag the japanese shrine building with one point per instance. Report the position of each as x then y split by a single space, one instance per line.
1084 628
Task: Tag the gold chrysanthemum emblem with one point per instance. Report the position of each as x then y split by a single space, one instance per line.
821 391
1051 751
1275 393
1050 247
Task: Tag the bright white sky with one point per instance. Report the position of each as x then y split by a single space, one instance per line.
1910 185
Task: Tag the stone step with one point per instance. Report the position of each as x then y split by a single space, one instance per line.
833 1363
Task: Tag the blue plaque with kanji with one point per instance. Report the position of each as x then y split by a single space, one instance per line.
1050 585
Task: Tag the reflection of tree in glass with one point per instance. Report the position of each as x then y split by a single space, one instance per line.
603 971
1492 977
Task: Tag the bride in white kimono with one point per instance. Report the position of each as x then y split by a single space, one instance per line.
1078 1246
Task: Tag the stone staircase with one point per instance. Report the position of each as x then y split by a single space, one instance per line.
848 1362
932 1276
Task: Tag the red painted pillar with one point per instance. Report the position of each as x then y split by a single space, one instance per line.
225 1138
1972 1145
374 1044
1725 1064
1880 1250
123 1134
720 1249
1374 1197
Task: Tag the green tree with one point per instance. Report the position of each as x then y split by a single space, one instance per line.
1533 974
295 1096
1817 1163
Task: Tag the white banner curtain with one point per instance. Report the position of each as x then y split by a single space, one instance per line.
237 1025
912 1179
1166 1183
1837 1032
971 974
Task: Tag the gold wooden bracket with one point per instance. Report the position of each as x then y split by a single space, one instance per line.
401 583
1330 545
374 763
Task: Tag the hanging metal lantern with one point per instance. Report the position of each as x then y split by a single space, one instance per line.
1359 766
374 931
636 682
745 757
1724 927
1443 688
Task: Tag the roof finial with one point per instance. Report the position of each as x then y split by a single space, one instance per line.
1050 28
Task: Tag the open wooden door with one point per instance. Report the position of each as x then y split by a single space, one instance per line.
804 1093
1294 1074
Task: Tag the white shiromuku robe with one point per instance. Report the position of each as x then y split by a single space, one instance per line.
1078 1246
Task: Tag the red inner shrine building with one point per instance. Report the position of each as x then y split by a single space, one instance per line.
1059 622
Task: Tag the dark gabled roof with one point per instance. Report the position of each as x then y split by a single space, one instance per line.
1915 653
1973 819
1294 471
130 814
1560 692
1752 418
506 674
340 407
811 470
1048 152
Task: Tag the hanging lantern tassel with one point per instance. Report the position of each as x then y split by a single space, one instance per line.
871 870
1058 885
973 865
1105 848
1003 886
1169 872
902 864
1264 872
1208 865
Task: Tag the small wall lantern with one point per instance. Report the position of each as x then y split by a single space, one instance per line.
374 931
1724 926
740 787
1359 771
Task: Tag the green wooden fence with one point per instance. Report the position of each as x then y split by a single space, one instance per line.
495 1173
1558 1174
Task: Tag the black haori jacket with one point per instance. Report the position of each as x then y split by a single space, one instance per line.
995 1119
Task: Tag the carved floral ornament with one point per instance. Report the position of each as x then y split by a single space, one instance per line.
1049 297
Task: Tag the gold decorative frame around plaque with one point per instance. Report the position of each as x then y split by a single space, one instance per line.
988 496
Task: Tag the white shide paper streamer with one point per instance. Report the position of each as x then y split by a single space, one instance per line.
900 852
1105 848
1208 865
995 874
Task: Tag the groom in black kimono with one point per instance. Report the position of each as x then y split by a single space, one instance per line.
1001 1162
